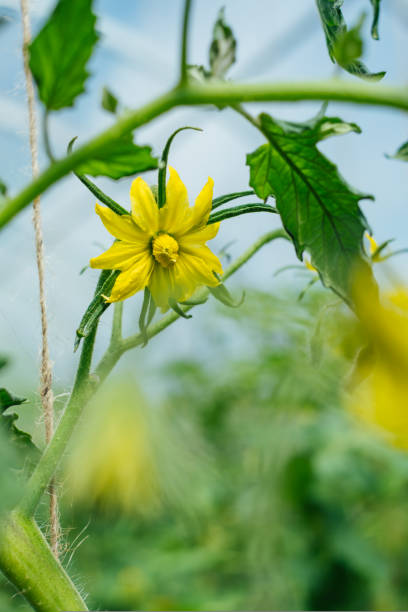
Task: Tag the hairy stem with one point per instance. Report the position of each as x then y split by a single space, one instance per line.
225 93
27 561
53 453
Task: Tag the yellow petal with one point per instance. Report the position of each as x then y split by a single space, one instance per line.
120 226
203 252
192 271
161 286
120 256
199 237
175 214
145 211
133 279
203 204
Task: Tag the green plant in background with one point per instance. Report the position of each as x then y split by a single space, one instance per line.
320 215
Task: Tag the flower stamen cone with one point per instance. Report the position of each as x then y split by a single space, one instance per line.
162 249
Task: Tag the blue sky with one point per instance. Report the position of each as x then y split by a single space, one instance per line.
137 57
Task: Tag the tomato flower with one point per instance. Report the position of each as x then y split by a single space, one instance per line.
162 249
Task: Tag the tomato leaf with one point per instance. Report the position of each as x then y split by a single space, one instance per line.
119 158
318 209
60 52
344 46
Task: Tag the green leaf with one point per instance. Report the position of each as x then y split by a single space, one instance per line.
119 158
60 52
221 215
344 46
223 47
376 17
402 153
20 439
97 306
318 209
229 197
109 101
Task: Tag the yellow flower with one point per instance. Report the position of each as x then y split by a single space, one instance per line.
382 398
162 249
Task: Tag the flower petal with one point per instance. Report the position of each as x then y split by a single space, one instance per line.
120 256
192 271
175 214
203 205
161 286
199 237
208 258
133 279
120 226
145 211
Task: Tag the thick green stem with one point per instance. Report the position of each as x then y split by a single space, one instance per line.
28 562
227 93
53 453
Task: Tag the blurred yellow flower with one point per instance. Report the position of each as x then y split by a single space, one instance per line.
113 462
162 249
382 398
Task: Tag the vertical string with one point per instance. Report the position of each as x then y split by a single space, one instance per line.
46 394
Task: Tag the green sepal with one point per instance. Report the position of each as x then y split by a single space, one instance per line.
60 52
101 196
221 293
174 305
308 286
142 317
195 302
98 305
240 210
161 188
230 196
109 102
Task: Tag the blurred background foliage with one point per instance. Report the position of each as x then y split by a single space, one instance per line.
253 487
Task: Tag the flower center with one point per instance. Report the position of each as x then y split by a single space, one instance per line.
165 250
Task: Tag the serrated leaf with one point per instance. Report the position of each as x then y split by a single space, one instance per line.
223 47
376 16
119 158
318 209
344 46
7 400
60 52
109 101
20 439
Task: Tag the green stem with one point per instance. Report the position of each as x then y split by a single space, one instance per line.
116 336
111 357
227 93
184 42
28 562
53 453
